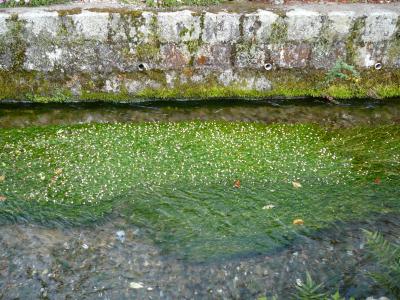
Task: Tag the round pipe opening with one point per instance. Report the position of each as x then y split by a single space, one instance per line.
268 66
378 66
142 67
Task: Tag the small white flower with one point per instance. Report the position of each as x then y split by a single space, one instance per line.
269 206
85 246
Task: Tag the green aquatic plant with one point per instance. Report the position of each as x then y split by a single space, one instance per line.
311 290
384 253
177 180
387 256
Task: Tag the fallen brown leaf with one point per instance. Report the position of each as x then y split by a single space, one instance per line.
236 184
3 198
377 180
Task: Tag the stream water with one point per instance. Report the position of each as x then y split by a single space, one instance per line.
118 259
301 111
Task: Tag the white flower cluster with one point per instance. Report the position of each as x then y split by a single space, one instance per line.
93 163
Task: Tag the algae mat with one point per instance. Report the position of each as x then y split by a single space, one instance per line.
201 189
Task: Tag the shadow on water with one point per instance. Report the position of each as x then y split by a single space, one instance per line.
100 263
119 260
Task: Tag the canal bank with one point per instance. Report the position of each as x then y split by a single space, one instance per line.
122 53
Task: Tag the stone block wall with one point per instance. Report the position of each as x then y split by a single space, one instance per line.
125 54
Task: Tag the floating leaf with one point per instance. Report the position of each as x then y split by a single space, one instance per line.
296 184
236 184
377 180
3 198
298 222
2 178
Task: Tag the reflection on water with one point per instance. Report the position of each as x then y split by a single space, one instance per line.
362 113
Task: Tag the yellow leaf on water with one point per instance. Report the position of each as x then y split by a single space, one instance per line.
3 198
296 184
298 222
2 178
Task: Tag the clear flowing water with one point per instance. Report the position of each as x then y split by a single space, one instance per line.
160 205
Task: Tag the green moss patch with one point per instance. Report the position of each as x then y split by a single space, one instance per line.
176 180
56 87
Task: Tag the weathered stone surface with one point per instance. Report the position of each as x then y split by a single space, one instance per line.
257 27
174 56
379 26
112 85
259 84
3 23
216 56
229 50
6 43
227 77
303 25
5 60
136 86
82 59
324 56
221 27
243 81
45 61
291 55
41 22
331 43
117 28
340 23
250 56
141 29
371 54
149 54
180 26
92 25
394 52
109 59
